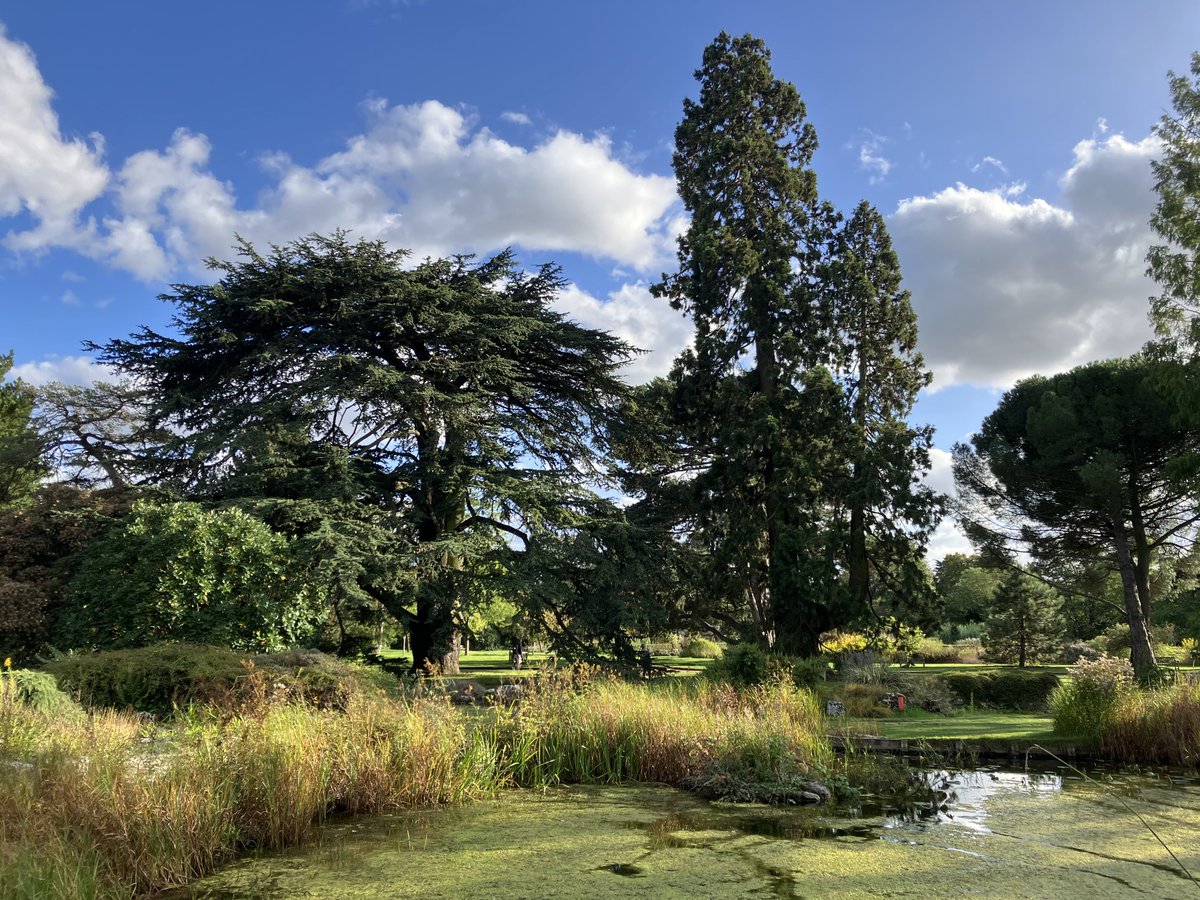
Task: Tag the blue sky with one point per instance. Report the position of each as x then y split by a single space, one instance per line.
1008 145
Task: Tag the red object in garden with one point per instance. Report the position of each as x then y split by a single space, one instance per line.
900 703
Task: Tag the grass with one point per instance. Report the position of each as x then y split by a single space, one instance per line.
90 809
490 668
977 725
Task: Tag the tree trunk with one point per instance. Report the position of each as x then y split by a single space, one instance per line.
1141 652
435 647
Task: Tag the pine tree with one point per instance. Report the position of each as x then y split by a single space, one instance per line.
1023 623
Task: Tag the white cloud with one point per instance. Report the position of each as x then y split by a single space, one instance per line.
630 313
67 369
948 537
1005 287
516 118
425 177
871 158
990 161
41 173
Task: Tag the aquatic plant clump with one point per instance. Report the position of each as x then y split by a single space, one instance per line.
612 732
1083 705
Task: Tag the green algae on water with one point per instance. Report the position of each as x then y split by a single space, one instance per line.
1004 835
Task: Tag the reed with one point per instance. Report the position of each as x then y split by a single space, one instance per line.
1155 726
103 805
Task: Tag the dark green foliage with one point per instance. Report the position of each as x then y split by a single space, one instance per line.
965 588
1006 689
1175 265
409 425
178 572
746 665
789 415
165 677
21 466
741 665
150 679
1089 464
40 547
1022 624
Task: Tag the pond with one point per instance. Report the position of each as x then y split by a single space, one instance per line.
1000 834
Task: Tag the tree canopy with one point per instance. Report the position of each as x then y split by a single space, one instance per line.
800 500
1089 464
21 467
407 424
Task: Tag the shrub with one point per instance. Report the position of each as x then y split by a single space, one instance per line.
164 677
932 650
1077 652
835 643
865 701
741 665
151 679
930 693
1006 688
965 631
970 650
1115 639
179 572
1082 705
701 648
38 690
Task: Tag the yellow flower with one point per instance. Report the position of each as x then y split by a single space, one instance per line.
8 662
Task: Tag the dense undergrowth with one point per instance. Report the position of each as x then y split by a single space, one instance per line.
1131 724
100 803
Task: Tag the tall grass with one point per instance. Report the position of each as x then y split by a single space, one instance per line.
1155 726
103 805
613 731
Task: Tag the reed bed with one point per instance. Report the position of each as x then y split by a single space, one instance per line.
1157 726
613 731
105 805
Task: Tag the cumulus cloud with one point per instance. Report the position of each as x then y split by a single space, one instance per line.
948 537
42 173
516 118
1006 286
637 318
424 176
67 369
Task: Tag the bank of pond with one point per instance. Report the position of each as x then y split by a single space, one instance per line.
575 783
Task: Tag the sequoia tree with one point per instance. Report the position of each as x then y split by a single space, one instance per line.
1175 264
793 401
20 447
891 513
1089 464
408 422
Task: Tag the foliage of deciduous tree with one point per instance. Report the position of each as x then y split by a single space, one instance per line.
411 425
20 449
1022 623
179 572
1089 464
801 503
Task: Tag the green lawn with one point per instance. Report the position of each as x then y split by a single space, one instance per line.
490 667
936 668
968 724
